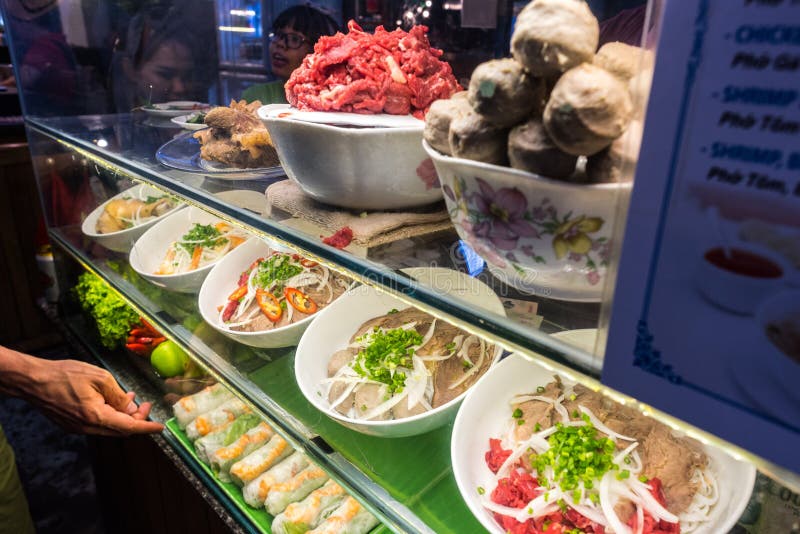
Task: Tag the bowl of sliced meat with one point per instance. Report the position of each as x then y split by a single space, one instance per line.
380 367
265 296
352 135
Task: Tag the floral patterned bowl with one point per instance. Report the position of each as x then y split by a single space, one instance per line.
545 237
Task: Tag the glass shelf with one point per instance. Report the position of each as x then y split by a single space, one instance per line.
123 147
407 482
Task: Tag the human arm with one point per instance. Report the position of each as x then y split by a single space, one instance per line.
78 396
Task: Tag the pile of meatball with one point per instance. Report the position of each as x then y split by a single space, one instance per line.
557 99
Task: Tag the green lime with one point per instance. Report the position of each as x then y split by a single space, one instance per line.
169 360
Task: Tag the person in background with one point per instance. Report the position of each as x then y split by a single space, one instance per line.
294 33
79 397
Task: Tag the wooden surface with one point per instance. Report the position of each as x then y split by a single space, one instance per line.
22 324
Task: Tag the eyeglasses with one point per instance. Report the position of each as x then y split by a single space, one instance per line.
289 40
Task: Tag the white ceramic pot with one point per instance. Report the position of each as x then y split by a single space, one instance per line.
378 168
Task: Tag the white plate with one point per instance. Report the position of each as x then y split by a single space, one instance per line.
182 121
123 240
223 280
149 251
340 118
174 108
331 331
485 414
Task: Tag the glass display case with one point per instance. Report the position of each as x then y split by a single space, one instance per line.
97 136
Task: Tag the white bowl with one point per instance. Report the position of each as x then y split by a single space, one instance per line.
376 168
222 281
149 251
737 292
485 414
123 240
780 366
332 331
183 122
544 237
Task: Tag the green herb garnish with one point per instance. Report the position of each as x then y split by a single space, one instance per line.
577 455
385 354
517 413
481 491
276 268
201 235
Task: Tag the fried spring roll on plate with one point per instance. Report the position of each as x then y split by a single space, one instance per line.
206 446
220 416
349 518
294 489
201 402
311 511
261 459
222 459
255 492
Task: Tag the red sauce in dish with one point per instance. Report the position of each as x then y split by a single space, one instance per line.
744 263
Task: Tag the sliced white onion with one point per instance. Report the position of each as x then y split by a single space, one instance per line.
474 367
651 505
603 428
347 391
385 406
607 505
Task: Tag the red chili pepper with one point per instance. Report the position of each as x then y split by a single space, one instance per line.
246 274
140 332
144 340
308 263
158 340
299 300
141 350
229 309
240 292
146 324
269 305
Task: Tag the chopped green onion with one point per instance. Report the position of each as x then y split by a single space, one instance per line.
517 413
481 491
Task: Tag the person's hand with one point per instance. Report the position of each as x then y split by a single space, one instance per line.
84 398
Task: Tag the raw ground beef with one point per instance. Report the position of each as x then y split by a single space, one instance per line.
393 72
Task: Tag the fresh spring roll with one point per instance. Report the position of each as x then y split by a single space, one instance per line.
217 418
222 459
310 512
260 460
206 446
255 492
201 402
349 518
294 489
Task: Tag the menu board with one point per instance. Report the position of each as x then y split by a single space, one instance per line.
706 314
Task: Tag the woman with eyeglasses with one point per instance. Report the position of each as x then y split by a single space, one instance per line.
294 33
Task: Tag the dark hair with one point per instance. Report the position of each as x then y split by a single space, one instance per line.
307 20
